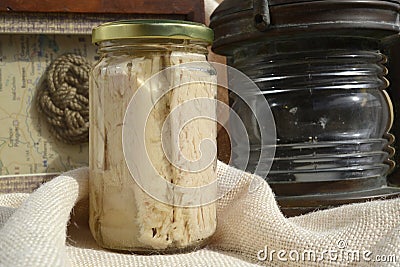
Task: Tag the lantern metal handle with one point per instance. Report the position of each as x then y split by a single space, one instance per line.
262 18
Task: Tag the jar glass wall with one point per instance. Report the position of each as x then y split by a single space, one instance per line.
122 215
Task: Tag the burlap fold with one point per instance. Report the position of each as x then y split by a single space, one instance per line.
39 229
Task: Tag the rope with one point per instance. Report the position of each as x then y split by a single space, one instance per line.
64 99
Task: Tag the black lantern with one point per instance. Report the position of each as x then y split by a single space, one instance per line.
321 67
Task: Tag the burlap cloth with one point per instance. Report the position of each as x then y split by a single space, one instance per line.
39 229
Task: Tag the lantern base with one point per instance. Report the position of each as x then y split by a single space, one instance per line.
298 205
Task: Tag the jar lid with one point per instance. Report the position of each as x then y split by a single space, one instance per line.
147 28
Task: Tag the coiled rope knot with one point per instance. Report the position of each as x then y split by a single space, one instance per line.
64 98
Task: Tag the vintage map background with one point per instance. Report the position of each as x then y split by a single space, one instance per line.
26 146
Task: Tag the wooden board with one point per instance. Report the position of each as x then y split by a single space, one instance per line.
192 10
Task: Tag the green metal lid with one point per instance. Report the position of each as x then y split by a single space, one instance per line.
146 28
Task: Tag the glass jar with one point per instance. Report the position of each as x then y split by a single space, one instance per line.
161 64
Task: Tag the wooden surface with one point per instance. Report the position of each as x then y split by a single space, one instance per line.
193 10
